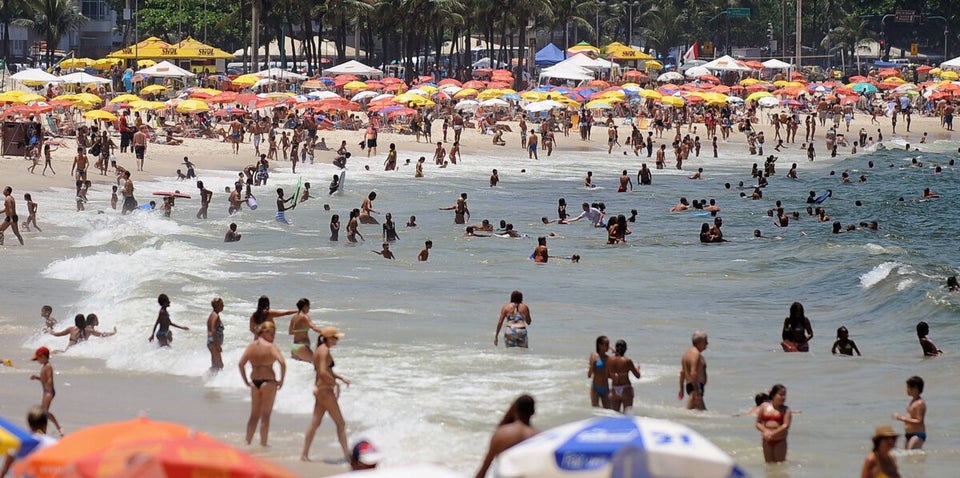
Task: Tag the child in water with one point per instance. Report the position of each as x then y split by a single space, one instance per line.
844 345
162 326
929 350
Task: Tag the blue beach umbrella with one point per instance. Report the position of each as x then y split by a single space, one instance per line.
619 447
14 438
511 96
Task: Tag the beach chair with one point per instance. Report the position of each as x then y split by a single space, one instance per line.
53 128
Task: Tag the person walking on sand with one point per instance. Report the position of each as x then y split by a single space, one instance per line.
513 429
261 355
31 213
326 392
161 328
300 327
517 317
10 215
881 463
47 160
773 422
42 355
620 367
693 372
215 335
915 430
597 371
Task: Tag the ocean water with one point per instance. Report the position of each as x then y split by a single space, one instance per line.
428 383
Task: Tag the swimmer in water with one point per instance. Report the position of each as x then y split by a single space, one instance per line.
844 345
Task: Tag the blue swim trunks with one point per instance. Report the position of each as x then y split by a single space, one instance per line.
281 217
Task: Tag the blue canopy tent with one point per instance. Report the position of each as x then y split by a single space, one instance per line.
549 55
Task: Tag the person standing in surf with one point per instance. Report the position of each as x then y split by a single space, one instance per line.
797 331
161 328
281 207
262 353
326 392
215 335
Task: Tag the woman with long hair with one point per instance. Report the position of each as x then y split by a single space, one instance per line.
620 367
797 331
264 314
514 428
773 422
300 326
326 392
597 371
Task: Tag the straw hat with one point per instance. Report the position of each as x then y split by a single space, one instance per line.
330 332
885 431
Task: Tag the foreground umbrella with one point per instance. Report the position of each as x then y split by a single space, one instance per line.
48 462
184 457
14 438
633 447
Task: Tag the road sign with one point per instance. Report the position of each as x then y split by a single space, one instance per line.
738 12
905 16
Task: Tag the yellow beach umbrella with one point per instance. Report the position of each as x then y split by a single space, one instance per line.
356 85
532 95
71 63
12 96
895 79
563 100
650 94
654 65
89 98
246 80
145 63
153 89
466 93
490 94
613 94
672 101
755 96
598 104
934 72
31 97
99 115
192 105
949 75
125 98
750 81
429 89
106 63
146 105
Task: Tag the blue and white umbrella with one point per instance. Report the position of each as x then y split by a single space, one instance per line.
620 447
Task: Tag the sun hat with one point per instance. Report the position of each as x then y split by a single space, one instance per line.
885 431
331 331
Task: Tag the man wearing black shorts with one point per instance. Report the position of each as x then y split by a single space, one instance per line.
10 211
140 146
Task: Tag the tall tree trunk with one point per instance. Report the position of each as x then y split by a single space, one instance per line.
255 34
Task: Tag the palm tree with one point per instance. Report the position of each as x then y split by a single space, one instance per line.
566 13
8 9
52 19
848 35
664 31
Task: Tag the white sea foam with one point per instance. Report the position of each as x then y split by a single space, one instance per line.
877 274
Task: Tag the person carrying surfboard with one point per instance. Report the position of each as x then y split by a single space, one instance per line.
281 206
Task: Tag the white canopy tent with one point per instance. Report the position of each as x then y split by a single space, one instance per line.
280 74
165 69
725 63
775 64
696 71
953 64
566 72
83 79
584 61
35 74
353 67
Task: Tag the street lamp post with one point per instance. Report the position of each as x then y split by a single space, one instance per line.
630 7
600 4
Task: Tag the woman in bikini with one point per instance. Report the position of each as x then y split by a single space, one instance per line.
773 422
517 316
620 367
366 209
326 392
261 354
597 371
263 314
215 335
77 332
300 326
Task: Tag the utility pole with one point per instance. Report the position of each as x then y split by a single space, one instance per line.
799 33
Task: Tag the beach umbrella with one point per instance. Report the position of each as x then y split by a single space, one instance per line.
225 97
949 75
419 470
105 63
449 81
475 84
510 96
264 82
735 100
494 103
323 94
598 105
124 98
470 105
620 446
401 112
653 65
47 463
649 94
533 95
545 105
146 105
73 63
755 96
466 93
146 63
672 101
15 439
100 115
312 85
356 85
192 106
670 76
245 80
864 88
153 89
178 457
768 101
490 94
364 95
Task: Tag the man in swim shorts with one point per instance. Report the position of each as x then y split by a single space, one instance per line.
10 215
236 129
693 372
281 208
140 146
915 430
532 145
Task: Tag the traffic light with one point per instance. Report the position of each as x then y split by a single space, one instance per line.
770 31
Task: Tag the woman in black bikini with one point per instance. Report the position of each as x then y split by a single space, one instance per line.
215 335
261 354
326 392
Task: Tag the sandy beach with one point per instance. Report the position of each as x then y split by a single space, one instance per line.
93 393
